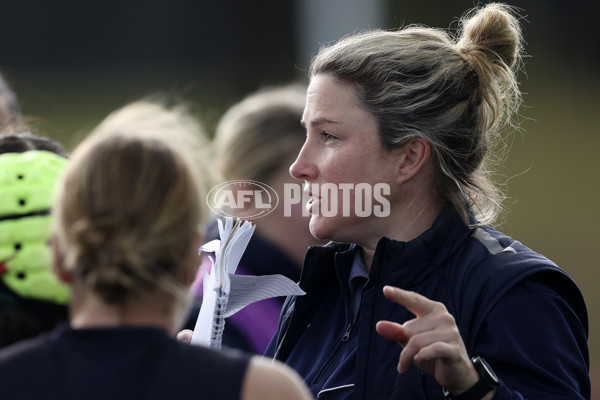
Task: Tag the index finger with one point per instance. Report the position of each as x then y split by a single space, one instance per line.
413 301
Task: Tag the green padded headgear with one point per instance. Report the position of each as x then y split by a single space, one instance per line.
27 183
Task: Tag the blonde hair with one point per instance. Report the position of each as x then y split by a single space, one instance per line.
10 112
455 92
257 135
129 206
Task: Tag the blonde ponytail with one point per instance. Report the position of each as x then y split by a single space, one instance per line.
129 207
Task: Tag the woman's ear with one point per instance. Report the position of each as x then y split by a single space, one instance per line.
58 257
413 156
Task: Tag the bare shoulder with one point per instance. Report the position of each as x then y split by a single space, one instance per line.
269 380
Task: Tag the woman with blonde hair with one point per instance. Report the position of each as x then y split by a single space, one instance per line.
255 141
420 297
128 212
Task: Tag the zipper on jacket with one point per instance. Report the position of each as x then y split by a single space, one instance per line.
348 331
330 365
332 362
352 318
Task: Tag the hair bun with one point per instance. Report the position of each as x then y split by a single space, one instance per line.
493 30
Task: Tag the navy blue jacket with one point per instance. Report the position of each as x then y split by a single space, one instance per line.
513 307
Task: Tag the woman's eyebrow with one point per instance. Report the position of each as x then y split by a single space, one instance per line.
319 121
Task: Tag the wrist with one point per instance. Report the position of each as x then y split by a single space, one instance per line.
472 377
483 387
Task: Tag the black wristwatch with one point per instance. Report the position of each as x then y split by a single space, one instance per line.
487 381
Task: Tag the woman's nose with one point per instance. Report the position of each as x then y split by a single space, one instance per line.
304 168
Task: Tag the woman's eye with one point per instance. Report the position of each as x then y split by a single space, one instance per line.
327 136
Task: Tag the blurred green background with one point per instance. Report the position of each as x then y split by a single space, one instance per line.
72 62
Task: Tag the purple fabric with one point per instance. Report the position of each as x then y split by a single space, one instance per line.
259 322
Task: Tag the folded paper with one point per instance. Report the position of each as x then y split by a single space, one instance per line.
226 293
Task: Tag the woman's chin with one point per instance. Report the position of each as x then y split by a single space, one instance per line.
317 228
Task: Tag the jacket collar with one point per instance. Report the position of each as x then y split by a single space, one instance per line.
318 272
399 263
406 264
